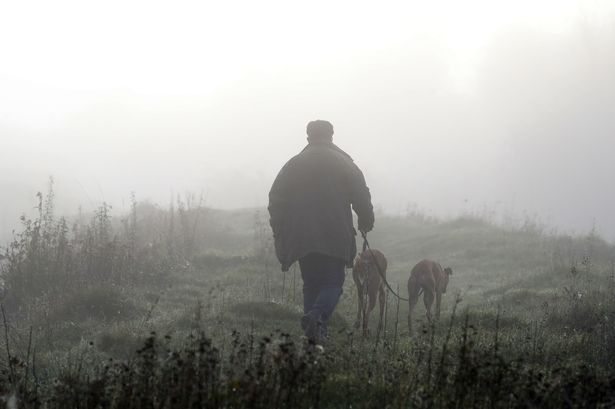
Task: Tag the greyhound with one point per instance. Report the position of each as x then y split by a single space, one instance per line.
428 276
370 284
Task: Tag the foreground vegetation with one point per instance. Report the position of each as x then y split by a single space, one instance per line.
186 307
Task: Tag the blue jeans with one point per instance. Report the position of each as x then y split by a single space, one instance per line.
323 279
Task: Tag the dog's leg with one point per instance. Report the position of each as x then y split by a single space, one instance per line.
370 307
428 297
438 302
360 297
413 298
382 298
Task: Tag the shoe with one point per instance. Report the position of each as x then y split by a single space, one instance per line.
324 333
311 327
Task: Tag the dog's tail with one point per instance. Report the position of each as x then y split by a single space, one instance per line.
414 290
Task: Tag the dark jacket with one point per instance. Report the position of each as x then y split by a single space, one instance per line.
310 205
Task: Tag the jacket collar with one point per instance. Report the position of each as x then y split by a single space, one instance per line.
327 144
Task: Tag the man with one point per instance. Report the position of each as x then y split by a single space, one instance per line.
310 207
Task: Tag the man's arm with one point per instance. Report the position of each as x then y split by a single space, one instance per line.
361 200
278 202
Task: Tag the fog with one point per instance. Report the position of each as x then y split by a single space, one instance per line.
501 109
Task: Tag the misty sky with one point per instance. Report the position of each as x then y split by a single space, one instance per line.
453 107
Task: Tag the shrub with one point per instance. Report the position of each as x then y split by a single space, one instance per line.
46 258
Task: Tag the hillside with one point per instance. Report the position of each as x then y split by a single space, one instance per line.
484 256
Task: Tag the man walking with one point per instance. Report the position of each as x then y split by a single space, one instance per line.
310 207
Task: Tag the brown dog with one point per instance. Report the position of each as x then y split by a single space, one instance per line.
369 285
428 276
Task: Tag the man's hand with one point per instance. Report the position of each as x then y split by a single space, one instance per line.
365 227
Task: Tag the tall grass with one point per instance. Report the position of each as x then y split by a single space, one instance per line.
278 372
52 259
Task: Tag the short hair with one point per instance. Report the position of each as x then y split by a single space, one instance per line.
319 129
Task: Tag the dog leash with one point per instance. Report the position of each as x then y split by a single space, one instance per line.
366 246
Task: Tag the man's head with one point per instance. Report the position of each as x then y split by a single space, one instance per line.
319 130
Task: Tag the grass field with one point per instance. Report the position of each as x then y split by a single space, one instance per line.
186 307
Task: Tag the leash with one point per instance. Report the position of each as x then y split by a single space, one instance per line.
367 247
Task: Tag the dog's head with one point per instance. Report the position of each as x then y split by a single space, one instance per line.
448 272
